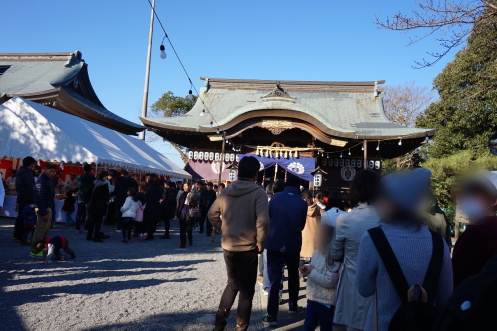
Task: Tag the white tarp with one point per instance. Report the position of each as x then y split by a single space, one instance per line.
28 128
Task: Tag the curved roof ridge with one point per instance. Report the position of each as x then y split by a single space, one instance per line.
293 82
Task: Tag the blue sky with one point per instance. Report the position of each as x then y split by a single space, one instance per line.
281 40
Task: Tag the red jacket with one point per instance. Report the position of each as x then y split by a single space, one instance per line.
474 248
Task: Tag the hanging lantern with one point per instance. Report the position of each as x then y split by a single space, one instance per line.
267 153
296 154
261 153
201 156
286 154
232 157
257 152
232 175
190 155
195 155
290 154
318 178
216 157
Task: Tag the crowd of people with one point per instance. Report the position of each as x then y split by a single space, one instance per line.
380 259
136 208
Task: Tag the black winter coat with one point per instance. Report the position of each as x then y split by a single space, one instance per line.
152 199
99 200
168 204
44 194
121 191
25 185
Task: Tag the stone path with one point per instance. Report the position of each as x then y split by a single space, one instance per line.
114 286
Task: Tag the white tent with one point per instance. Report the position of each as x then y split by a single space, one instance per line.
28 128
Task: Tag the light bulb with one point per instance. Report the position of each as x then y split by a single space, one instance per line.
400 142
427 138
340 154
202 112
378 147
190 95
211 125
327 155
163 54
362 148
349 151
217 131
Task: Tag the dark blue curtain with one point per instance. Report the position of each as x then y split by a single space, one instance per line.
300 167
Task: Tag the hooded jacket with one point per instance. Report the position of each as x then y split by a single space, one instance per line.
25 185
243 207
85 187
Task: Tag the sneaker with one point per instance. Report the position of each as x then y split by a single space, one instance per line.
294 311
119 231
266 293
40 254
259 280
129 241
60 258
270 320
145 235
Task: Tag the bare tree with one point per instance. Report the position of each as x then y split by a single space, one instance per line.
403 103
448 21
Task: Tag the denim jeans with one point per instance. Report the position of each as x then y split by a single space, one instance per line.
69 219
317 313
242 276
265 277
275 262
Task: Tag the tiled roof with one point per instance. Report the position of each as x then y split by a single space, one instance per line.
349 109
32 74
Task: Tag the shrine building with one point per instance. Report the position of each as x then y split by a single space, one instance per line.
60 81
302 127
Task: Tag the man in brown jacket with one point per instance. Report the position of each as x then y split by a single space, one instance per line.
243 207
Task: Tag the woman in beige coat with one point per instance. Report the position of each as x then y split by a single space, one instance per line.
313 221
352 308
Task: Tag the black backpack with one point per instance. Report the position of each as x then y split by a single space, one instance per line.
417 313
473 304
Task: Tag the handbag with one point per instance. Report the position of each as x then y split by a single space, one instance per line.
194 212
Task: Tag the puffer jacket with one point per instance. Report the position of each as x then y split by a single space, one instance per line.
100 198
44 194
129 208
139 211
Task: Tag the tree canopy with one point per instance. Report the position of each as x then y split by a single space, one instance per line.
170 105
466 114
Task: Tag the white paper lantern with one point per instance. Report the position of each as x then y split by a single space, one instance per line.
201 155
216 157
371 164
330 162
342 162
336 162
377 164
232 157
324 161
352 163
195 155
359 163
226 157
190 155
211 156
347 162
237 158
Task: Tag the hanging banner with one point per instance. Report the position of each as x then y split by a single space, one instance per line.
208 170
300 167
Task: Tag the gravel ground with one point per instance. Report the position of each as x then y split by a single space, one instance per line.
114 286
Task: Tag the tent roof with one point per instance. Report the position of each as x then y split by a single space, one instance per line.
42 77
28 128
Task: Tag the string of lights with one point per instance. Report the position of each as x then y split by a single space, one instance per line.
163 55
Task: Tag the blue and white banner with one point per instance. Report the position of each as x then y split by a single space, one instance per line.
300 167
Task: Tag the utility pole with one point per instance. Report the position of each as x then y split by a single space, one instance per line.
147 69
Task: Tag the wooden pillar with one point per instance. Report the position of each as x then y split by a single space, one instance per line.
365 147
222 159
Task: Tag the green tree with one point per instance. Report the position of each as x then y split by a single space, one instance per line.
466 114
170 105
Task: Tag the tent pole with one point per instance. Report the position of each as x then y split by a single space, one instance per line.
365 145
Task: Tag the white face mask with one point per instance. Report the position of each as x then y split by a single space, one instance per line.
473 208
